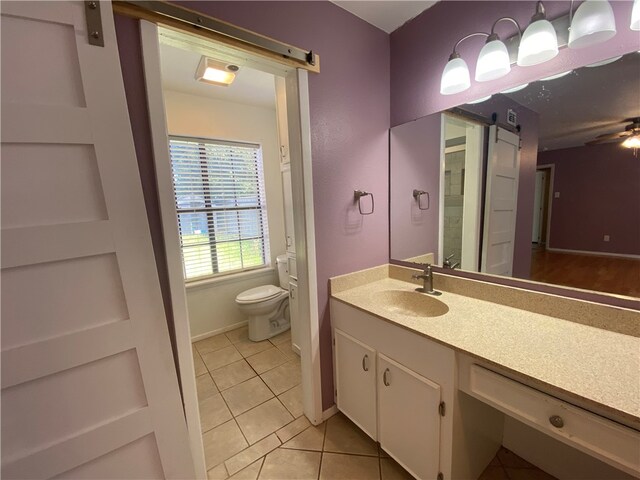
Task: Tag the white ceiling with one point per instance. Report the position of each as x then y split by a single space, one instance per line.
251 87
387 15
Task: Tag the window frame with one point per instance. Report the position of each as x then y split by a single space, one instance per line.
207 209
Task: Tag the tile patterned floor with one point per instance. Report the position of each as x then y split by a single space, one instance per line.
253 427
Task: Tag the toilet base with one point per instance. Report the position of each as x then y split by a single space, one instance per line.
261 328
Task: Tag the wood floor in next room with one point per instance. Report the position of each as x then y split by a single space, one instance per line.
253 427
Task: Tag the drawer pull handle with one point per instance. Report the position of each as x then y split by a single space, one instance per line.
385 380
556 421
365 367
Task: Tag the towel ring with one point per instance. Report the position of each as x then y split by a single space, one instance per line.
357 196
417 194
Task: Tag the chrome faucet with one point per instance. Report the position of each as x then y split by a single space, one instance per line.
427 277
448 264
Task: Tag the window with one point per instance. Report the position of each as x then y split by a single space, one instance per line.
222 213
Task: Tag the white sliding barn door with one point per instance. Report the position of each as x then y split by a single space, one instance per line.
89 387
501 201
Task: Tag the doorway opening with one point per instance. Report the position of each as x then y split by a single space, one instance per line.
542 208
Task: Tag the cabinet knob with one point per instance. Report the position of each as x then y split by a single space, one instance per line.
365 365
385 379
556 421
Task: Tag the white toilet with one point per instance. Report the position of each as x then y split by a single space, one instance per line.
267 306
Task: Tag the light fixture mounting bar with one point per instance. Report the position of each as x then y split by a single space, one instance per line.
560 25
203 22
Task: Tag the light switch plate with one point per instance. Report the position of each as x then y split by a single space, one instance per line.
556 195
607 238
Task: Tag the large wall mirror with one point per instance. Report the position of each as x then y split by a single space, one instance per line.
539 183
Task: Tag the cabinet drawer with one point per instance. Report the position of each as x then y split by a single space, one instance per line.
612 443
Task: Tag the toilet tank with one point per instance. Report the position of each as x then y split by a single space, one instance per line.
283 273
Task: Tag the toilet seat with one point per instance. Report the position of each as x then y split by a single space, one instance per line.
259 294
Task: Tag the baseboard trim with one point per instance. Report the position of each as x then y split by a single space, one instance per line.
218 331
595 254
329 412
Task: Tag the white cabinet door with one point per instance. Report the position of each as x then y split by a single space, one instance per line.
409 420
294 316
89 385
356 382
288 208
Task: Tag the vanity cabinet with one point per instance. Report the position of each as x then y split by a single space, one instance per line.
409 418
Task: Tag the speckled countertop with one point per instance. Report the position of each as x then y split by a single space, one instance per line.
590 364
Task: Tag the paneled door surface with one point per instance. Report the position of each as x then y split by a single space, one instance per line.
89 387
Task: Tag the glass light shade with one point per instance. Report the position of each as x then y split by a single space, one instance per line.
493 61
604 62
516 89
455 77
480 100
539 44
632 142
214 72
635 16
592 23
557 75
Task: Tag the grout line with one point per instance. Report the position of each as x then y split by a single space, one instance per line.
264 458
320 466
379 465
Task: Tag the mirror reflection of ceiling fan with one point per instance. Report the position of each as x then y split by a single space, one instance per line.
630 136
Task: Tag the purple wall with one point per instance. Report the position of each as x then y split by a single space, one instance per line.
420 49
415 163
349 103
599 195
528 121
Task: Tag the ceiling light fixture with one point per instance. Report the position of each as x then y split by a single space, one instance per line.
635 16
215 72
455 76
632 142
494 61
539 41
592 23
516 89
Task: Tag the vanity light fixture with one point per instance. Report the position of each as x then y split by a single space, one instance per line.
215 72
539 41
494 61
635 16
455 76
556 76
480 100
604 62
516 89
592 23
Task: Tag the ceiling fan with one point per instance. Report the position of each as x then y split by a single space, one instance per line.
630 136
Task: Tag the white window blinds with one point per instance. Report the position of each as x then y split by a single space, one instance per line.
220 200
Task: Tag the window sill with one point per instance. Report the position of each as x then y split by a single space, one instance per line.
230 278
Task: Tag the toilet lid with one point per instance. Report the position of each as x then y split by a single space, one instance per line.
257 294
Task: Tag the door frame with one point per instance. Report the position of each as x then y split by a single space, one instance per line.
551 171
298 114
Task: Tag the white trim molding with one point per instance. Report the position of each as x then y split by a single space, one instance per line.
217 331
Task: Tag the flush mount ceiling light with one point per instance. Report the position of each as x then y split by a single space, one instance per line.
635 16
494 61
516 89
215 72
592 23
539 41
556 76
455 76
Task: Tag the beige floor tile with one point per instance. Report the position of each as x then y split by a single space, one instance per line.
336 466
310 439
528 474
246 395
284 377
494 472
251 454
212 344
390 470
292 399
263 420
238 334
222 442
283 337
249 473
248 347
198 364
213 412
294 428
220 358
509 459
232 374
284 464
344 437
206 387
287 350
218 473
266 360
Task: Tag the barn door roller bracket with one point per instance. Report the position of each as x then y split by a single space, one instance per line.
95 33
